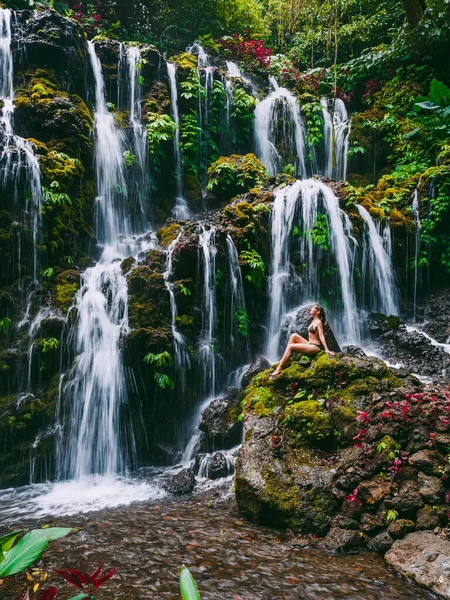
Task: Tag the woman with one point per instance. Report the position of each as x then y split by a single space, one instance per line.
314 344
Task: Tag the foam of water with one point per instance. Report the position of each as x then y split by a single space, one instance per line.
68 498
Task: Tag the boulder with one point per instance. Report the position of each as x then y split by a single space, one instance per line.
430 488
343 539
424 557
182 482
426 518
425 460
220 423
274 487
381 542
217 466
399 528
258 365
298 321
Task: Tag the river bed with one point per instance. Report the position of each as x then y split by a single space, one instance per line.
230 558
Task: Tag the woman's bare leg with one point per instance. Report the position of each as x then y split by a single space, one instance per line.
303 347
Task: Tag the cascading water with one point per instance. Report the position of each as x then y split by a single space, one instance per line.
280 106
287 289
341 125
327 139
416 217
93 392
182 360
236 304
19 166
377 271
207 356
140 145
181 210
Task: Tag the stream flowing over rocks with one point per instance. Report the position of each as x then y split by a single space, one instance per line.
168 219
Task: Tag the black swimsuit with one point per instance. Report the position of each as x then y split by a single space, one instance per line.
312 329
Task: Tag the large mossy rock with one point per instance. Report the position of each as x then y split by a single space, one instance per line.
235 174
298 321
287 468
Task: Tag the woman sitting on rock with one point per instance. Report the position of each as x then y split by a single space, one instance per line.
315 343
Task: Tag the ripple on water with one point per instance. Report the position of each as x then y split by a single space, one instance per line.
230 558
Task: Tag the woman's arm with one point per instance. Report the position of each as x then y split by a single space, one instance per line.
322 338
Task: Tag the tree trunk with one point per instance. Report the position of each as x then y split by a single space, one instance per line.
414 11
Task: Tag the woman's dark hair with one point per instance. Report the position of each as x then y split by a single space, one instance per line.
322 316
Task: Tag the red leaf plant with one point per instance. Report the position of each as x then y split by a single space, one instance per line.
81 580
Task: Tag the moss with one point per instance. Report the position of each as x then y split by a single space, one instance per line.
261 400
192 189
185 321
167 234
67 285
231 175
309 420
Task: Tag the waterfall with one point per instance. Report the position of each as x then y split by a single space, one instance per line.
93 392
181 210
139 145
111 219
382 291
341 125
16 153
236 302
207 356
182 360
287 289
233 70
416 217
327 139
280 106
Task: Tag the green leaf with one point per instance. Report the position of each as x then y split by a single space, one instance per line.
188 587
6 541
82 597
29 549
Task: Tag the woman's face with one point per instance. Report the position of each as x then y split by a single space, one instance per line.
314 312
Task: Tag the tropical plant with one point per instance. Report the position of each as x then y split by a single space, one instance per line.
243 321
49 344
255 265
160 128
17 558
188 587
163 359
54 195
85 581
48 273
320 234
184 290
189 141
129 158
5 324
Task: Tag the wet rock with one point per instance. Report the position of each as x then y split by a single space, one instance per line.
426 518
399 528
430 488
343 539
437 315
344 522
182 482
298 321
407 501
425 557
372 492
220 422
410 348
425 460
441 441
370 523
381 542
259 364
217 466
